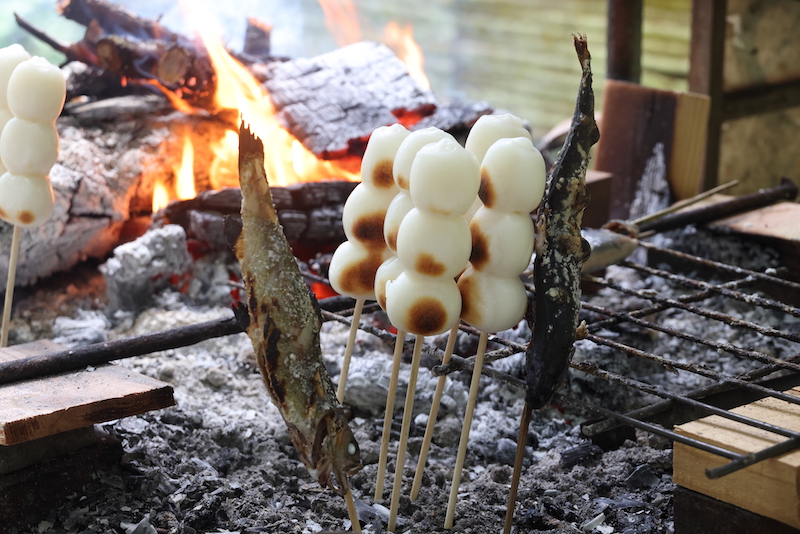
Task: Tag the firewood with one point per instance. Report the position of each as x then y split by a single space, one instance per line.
373 88
257 39
113 19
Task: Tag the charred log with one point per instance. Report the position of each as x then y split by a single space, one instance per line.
257 39
372 89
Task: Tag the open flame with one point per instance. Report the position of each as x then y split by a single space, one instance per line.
342 21
401 40
287 160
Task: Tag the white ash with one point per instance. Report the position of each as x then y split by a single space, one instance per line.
222 459
89 326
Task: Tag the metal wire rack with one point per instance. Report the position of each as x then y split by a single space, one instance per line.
740 287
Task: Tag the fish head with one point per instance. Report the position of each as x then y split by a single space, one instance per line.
335 452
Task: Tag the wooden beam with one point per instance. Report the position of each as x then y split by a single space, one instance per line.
624 40
761 99
706 58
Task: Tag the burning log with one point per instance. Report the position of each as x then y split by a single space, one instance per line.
113 19
372 88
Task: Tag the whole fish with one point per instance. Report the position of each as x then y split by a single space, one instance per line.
283 325
560 249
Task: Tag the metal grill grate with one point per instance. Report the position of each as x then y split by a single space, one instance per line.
691 302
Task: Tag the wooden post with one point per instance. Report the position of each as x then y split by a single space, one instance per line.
705 73
624 40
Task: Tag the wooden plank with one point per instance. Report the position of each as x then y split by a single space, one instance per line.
635 120
689 144
769 488
45 406
777 226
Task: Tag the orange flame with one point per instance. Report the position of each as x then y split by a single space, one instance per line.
160 196
184 173
401 40
342 21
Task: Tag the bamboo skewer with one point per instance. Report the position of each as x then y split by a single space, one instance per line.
462 444
12 274
684 203
348 351
408 408
522 438
388 416
351 510
437 397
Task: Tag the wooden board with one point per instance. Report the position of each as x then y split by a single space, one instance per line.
769 488
777 226
635 120
45 406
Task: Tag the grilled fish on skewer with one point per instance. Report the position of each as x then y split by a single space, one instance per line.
284 326
560 249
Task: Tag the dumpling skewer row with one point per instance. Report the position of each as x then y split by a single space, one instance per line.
32 90
424 299
487 130
494 298
355 262
392 268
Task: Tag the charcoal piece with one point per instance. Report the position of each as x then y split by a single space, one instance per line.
207 226
309 195
579 454
456 118
365 86
294 223
325 224
641 477
138 269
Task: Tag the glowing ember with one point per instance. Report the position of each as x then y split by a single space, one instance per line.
401 40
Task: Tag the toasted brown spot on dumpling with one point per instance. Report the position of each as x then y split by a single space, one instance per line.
486 190
359 278
467 287
382 176
3 214
427 316
479 256
391 240
368 231
428 264
26 217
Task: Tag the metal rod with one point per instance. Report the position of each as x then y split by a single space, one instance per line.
744 460
648 427
592 369
100 353
727 347
727 319
766 277
753 299
699 393
694 297
787 190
